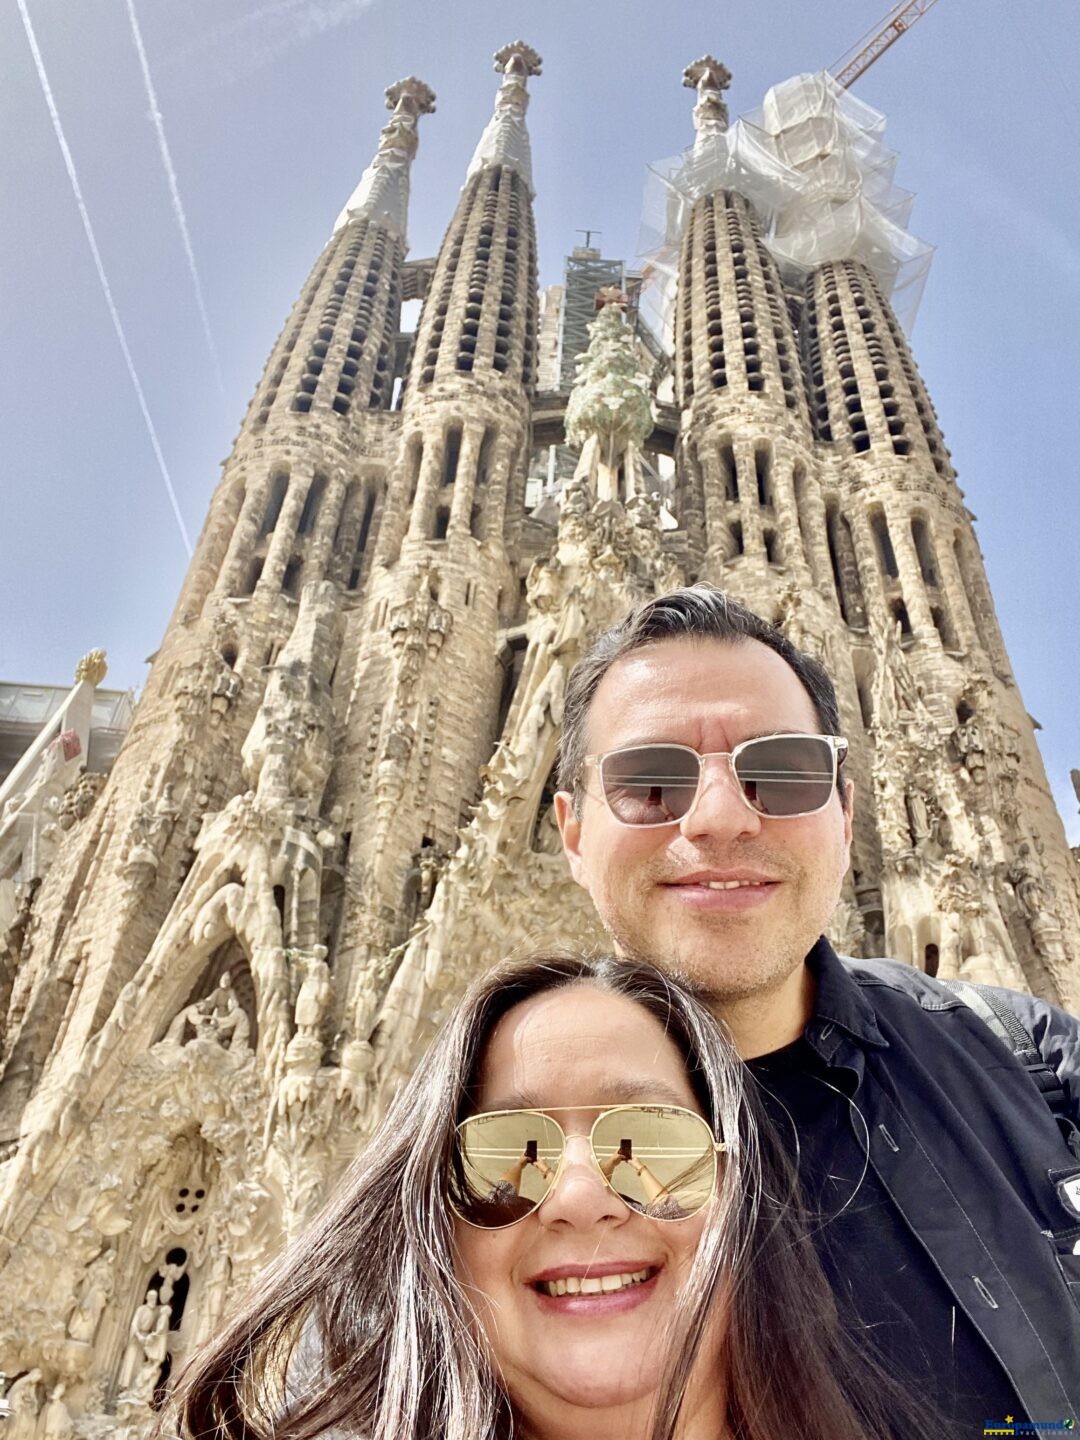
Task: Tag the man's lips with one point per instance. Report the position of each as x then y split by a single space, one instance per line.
723 879
722 891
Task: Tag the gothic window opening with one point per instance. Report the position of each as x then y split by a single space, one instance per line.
312 502
844 567
362 538
229 655
729 473
931 959
763 475
924 549
442 522
254 575
483 470
737 537
886 554
290 579
512 659
943 625
413 458
713 306
772 547
900 615
451 455
279 484
866 705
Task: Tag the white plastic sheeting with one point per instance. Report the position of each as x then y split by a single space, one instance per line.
505 140
383 193
813 163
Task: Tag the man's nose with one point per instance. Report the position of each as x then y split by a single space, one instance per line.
581 1196
719 810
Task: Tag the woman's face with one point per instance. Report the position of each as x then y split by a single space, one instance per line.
567 1357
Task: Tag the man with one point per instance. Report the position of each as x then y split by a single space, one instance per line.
944 1200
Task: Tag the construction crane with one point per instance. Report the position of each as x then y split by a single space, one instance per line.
876 41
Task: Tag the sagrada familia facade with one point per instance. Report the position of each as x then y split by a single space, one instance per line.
334 804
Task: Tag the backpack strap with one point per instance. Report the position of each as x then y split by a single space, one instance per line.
995 1013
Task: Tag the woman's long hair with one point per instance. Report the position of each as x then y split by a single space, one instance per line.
360 1326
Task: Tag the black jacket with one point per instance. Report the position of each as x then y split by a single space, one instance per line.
971 1155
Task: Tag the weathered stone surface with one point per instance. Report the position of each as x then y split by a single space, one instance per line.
334 805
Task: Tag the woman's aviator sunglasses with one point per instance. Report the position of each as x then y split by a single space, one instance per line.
658 1159
779 776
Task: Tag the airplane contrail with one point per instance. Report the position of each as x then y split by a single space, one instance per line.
268 31
174 193
69 164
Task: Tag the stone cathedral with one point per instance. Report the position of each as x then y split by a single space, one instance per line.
333 806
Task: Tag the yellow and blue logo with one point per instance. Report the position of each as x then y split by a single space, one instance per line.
1012 1426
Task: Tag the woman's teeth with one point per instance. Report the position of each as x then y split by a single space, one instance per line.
593 1284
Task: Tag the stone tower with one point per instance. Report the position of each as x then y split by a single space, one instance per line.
334 803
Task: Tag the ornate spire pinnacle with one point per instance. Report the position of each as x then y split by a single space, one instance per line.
506 140
383 193
710 79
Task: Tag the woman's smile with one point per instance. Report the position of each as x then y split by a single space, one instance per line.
595 1291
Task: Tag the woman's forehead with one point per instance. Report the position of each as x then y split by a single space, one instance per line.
580 1045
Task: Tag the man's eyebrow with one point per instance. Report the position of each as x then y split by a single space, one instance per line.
613 1090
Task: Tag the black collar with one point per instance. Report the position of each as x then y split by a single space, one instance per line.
839 1003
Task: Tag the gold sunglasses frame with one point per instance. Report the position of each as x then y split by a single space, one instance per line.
717 1146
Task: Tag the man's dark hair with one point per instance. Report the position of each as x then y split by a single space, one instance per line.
696 612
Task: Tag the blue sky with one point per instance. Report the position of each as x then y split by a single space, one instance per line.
271 112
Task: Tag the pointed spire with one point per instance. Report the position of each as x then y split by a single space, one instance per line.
505 141
383 193
710 79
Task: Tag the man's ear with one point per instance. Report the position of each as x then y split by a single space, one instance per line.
570 830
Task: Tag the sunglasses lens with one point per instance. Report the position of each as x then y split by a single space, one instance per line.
787 774
503 1166
650 785
665 1160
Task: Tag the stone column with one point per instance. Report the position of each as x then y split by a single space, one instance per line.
423 508
810 519
787 518
317 562
911 578
472 437
244 537
284 540
749 509
955 594
719 540
499 486
866 561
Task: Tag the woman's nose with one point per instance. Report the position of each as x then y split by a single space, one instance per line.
581 1197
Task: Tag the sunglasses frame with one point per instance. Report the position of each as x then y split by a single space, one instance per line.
837 745
717 1147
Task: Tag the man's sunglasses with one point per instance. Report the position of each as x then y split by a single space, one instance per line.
658 1159
779 776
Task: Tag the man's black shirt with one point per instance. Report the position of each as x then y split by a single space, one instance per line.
889 1292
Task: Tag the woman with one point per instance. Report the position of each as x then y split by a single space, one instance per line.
572 1222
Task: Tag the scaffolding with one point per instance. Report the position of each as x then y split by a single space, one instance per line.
586 273
813 162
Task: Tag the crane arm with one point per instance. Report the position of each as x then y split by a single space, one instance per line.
875 42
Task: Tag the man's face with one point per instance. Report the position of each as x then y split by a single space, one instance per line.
658 891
